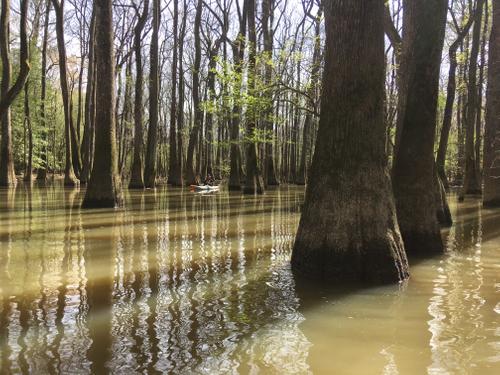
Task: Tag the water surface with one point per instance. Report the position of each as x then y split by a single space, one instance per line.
178 282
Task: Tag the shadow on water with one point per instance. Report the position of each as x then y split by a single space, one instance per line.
178 282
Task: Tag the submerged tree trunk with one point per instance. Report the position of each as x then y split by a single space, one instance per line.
348 231
69 173
42 171
472 182
254 183
152 143
7 93
104 187
136 179
413 170
491 196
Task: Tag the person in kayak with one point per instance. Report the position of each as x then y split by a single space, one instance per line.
209 180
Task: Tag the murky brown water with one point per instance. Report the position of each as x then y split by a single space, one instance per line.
187 283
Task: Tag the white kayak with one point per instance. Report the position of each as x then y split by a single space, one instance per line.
204 187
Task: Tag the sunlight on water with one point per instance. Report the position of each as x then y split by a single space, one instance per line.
179 282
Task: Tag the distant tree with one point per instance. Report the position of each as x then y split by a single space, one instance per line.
348 230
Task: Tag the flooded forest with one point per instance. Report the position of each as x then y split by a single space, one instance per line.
250 187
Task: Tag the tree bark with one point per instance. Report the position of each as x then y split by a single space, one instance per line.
152 143
136 179
9 94
413 170
348 232
491 195
104 187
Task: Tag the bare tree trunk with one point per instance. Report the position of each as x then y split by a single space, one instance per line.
191 177
7 93
472 183
267 31
104 187
348 231
136 179
42 171
69 173
254 183
88 131
413 170
234 133
152 143
491 196
175 177
450 100
308 122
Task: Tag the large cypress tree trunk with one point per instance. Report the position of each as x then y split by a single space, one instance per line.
8 94
152 143
254 183
69 173
42 171
491 196
104 187
136 179
472 181
348 231
413 171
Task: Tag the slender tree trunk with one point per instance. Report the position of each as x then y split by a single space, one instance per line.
254 183
174 171
7 93
88 131
348 231
267 31
491 196
191 177
472 183
42 171
69 173
450 100
152 143
308 122
104 187
136 179
413 170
